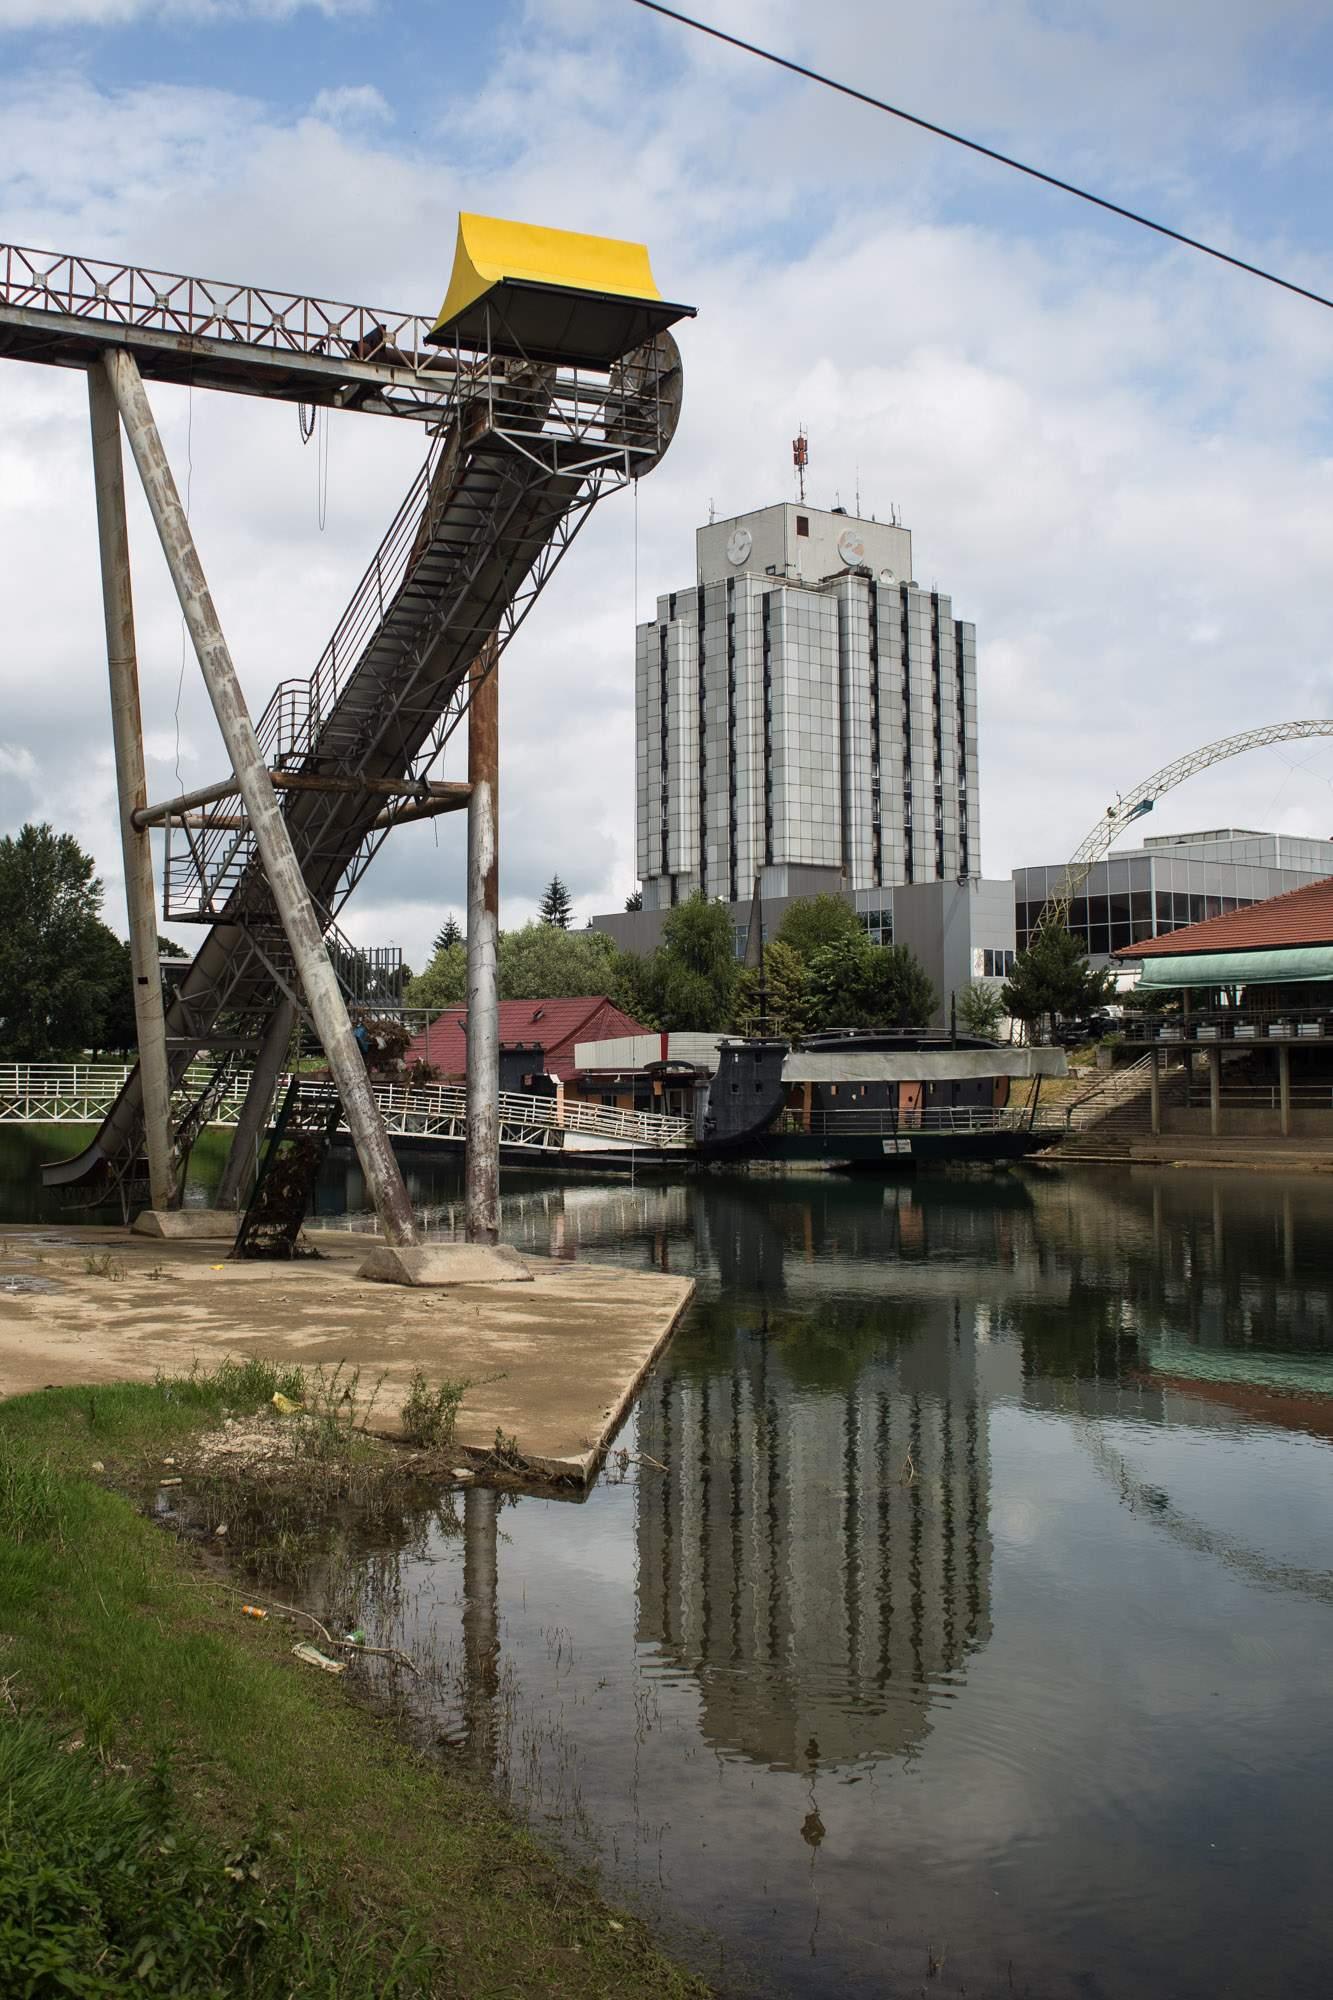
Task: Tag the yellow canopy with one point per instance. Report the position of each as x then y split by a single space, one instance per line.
552 294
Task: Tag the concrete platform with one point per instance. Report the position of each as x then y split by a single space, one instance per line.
1256 1153
556 1361
188 1225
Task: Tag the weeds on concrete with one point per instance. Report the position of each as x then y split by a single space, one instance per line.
504 1455
430 1416
103 1265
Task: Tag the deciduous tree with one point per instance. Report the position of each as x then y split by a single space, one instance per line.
64 977
812 922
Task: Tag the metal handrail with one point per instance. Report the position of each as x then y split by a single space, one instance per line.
889 1123
78 1093
1230 1024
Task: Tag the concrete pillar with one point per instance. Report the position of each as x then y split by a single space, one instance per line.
1284 1089
1155 1092
1214 1090
482 1164
251 1124
282 870
132 793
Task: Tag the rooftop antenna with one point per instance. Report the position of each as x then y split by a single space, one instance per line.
712 511
800 458
858 492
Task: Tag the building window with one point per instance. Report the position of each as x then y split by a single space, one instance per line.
877 924
803 524
996 964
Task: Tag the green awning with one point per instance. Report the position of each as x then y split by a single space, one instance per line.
1297 965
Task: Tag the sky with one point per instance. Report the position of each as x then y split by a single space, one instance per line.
1114 454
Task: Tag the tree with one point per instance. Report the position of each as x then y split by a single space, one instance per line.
108 963
1053 978
691 979
547 962
62 972
786 1001
980 1008
634 900
449 933
841 976
903 995
812 922
443 983
856 984
556 907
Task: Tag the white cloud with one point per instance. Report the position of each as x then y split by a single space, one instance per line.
1114 456
53 14
353 104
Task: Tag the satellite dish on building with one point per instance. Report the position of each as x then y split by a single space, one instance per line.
887 578
739 544
851 548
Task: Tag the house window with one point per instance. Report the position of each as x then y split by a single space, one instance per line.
803 524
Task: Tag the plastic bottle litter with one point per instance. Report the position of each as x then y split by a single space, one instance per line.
314 1658
168 1482
253 1611
284 1405
356 1637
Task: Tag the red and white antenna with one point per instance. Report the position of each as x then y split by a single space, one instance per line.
800 458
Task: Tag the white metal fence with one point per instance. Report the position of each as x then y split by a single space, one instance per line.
83 1093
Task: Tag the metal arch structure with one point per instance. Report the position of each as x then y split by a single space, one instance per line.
1136 804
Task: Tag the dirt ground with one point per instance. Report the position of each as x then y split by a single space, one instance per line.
554 1364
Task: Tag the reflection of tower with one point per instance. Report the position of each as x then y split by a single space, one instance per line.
481 1637
818 1557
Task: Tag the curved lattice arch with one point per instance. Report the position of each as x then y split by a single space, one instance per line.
1133 805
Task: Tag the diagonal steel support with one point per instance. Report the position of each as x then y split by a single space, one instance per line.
253 1118
127 738
272 837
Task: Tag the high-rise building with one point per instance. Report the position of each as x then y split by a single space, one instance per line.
805 713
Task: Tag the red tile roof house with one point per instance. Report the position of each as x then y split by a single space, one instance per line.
554 1025
1256 990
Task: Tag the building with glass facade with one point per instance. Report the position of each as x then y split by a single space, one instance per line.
803 710
1171 881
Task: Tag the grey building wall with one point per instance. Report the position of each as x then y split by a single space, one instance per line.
959 930
815 712
1171 881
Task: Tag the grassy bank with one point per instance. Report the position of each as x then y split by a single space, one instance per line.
25 1149
190 1811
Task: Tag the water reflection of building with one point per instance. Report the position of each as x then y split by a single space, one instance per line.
817 1552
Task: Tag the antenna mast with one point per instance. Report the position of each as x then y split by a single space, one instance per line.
800 458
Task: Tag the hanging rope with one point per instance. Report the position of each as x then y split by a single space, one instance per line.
305 419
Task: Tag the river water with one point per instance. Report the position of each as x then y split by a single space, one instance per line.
962 1621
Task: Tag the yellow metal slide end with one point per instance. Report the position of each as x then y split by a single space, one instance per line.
550 294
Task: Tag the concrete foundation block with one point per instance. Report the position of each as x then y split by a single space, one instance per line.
189 1225
445 1264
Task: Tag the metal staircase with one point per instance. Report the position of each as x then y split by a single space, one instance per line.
293 1156
524 453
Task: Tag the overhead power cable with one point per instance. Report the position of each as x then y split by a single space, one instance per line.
987 152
